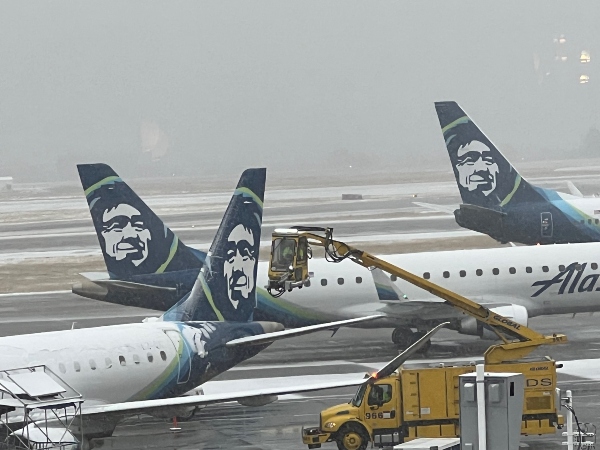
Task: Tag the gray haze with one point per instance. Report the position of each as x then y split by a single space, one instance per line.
210 87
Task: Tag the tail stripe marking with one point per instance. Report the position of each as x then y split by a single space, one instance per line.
514 189
172 252
463 119
108 180
209 297
245 192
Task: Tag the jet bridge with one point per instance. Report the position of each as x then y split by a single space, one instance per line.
37 410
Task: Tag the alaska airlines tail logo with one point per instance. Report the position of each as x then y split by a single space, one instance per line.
126 230
570 280
133 239
484 176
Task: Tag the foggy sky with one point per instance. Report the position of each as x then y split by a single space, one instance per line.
287 84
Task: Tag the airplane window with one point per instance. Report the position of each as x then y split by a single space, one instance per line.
594 266
463 273
512 270
340 281
323 282
92 364
528 269
122 360
446 274
596 221
77 366
107 363
426 275
62 368
307 283
561 268
590 221
163 355
479 272
358 280
136 359
393 277
495 271
150 357
545 269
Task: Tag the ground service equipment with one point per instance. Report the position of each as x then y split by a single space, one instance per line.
417 401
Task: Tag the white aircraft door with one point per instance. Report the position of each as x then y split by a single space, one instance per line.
184 355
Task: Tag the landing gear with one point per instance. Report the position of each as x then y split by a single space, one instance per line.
404 337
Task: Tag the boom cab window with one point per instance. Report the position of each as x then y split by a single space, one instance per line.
379 394
283 254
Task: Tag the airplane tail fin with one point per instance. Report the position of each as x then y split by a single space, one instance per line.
226 286
134 241
484 176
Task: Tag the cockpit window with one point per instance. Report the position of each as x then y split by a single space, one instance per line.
283 254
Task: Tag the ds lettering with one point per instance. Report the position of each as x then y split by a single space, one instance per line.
539 382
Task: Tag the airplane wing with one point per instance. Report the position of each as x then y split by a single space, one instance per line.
162 406
265 338
449 209
573 189
131 286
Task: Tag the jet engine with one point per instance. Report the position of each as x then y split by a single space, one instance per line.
473 327
258 400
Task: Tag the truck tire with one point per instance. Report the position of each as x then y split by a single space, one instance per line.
352 437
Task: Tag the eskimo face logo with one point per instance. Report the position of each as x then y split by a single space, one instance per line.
476 167
126 235
240 260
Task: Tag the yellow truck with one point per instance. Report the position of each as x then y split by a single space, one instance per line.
417 402
394 407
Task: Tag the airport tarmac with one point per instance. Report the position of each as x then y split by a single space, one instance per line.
44 228
277 426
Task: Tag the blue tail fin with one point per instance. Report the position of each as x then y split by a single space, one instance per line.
484 176
133 239
226 286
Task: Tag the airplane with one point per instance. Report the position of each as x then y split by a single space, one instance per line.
123 370
499 202
145 260
523 281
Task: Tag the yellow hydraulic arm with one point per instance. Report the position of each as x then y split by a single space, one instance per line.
518 340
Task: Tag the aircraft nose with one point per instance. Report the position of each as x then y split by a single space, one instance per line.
271 327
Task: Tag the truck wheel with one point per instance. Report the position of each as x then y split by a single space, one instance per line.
352 437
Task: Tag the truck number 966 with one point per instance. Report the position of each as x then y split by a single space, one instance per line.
374 415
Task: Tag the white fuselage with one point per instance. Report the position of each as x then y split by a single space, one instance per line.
514 275
105 364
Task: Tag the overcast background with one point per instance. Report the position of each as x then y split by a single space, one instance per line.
195 87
